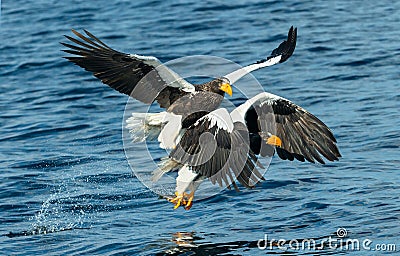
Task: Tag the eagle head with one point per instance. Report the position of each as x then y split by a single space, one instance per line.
220 85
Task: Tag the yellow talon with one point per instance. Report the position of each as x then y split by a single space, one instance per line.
177 200
190 201
183 199
274 141
178 203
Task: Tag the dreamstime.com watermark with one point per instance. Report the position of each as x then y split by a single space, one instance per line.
338 242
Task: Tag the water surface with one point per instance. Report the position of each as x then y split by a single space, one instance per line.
67 189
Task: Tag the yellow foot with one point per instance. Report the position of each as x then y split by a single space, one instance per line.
183 199
177 200
274 141
190 200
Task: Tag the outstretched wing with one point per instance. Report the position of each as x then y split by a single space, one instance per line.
303 135
144 78
218 149
278 55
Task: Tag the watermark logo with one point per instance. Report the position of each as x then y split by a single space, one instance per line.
341 232
340 241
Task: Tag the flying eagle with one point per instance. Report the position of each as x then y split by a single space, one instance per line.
207 141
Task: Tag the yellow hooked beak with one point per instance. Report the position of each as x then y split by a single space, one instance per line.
225 87
274 141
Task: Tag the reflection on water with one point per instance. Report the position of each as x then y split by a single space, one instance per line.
184 239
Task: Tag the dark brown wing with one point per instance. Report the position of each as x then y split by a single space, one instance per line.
141 77
304 136
218 149
286 48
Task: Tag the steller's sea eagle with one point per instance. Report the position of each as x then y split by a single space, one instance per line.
207 141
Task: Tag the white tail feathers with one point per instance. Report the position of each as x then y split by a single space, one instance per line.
164 126
144 126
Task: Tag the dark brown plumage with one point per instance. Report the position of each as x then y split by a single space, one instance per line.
212 143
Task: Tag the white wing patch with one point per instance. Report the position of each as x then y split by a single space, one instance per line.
219 118
236 75
167 74
149 59
238 113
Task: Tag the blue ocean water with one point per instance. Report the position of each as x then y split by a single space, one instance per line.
67 189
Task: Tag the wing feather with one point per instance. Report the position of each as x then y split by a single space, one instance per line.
231 158
303 135
278 55
144 78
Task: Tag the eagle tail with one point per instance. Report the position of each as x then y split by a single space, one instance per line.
144 126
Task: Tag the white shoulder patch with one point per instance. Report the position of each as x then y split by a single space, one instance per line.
169 76
150 59
238 113
220 118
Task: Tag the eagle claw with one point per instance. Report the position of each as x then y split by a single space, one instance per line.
184 199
